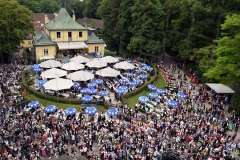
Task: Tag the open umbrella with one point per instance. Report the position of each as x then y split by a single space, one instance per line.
35 66
92 91
33 104
148 68
70 111
92 84
37 69
181 95
143 76
153 95
113 112
129 74
152 87
138 70
123 87
160 91
103 93
87 99
172 103
50 64
132 83
80 76
58 84
84 91
76 85
123 80
124 65
120 91
143 64
50 109
99 81
129 61
96 64
137 80
72 66
41 82
143 99
90 111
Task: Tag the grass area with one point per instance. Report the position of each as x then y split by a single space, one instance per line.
45 102
159 83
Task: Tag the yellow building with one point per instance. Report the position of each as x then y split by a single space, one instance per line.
27 43
63 34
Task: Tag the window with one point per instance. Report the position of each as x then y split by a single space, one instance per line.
96 49
29 42
45 52
58 34
80 34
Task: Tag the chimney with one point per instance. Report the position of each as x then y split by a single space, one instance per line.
73 17
46 19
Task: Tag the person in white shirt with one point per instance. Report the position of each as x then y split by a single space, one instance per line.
50 139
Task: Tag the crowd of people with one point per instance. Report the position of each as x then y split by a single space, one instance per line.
195 130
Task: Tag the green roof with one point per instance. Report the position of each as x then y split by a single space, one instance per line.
63 21
42 39
93 39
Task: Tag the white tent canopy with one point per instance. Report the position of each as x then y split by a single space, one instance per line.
50 64
58 84
47 57
109 59
80 59
124 65
220 88
96 64
53 73
108 72
72 66
80 76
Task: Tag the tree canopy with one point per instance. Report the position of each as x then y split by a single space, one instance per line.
16 22
227 66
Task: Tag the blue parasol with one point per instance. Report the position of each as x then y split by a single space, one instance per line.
152 87
143 76
87 99
172 103
33 104
113 112
76 85
160 91
90 111
70 111
143 99
50 109
129 74
41 82
181 95
153 95
103 93
92 84
84 91
99 81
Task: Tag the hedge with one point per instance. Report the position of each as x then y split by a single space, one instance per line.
143 87
45 96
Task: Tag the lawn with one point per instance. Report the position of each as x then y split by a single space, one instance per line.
45 102
159 83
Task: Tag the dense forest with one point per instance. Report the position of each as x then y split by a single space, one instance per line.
202 31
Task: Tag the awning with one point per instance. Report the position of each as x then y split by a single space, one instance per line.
47 57
220 88
71 45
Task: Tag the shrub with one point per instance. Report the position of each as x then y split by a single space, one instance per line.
109 53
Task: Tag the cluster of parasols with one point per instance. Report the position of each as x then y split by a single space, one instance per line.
156 92
72 111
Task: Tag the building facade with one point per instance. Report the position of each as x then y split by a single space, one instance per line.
64 35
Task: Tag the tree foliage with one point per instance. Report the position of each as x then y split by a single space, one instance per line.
16 22
49 6
227 66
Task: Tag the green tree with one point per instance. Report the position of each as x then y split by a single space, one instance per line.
90 8
108 11
227 66
49 6
77 6
147 26
33 5
16 22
